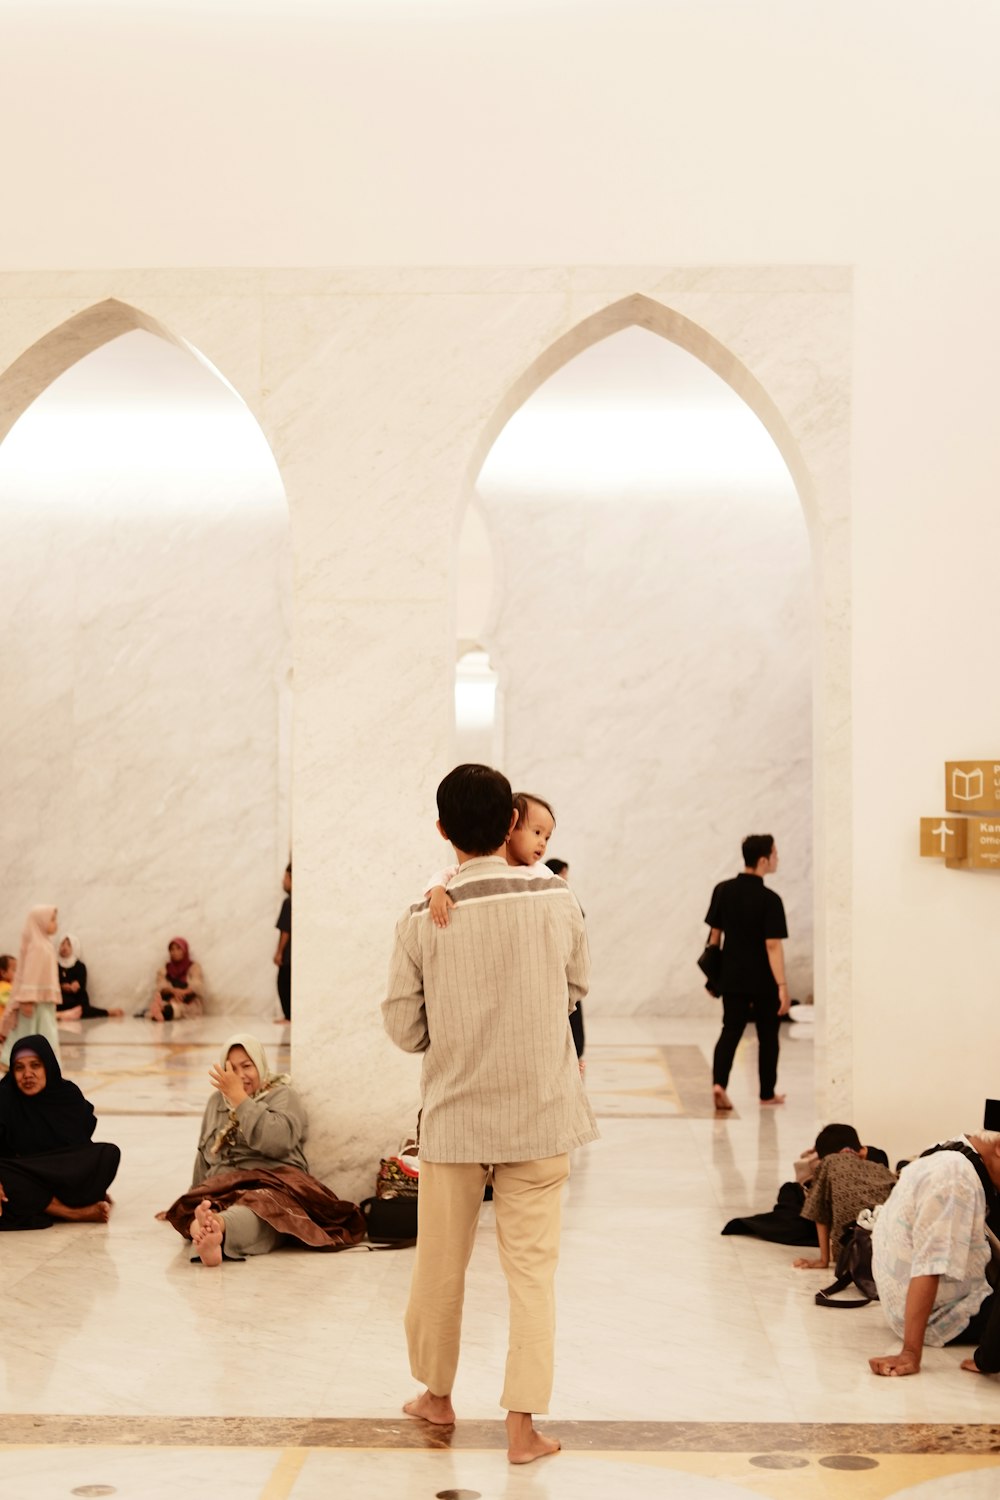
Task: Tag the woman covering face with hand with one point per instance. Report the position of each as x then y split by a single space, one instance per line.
251 1184
49 1166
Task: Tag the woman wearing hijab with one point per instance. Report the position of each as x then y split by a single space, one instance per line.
179 986
35 993
75 1002
49 1166
251 1187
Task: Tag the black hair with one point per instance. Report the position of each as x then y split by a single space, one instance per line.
6 959
757 846
557 865
521 800
475 806
834 1138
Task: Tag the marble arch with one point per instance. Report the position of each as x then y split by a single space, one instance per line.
795 424
125 601
57 351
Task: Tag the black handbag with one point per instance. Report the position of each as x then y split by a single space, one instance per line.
710 964
854 1269
391 1221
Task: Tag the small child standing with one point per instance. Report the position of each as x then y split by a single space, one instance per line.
8 968
35 992
283 952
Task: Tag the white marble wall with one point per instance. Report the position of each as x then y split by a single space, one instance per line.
146 641
380 393
658 687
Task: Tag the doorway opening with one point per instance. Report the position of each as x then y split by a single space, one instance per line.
651 624
147 610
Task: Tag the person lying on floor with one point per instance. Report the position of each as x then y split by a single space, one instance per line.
251 1188
845 1182
784 1225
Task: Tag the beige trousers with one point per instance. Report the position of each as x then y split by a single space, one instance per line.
527 1198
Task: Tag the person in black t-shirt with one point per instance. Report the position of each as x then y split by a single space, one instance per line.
283 952
752 920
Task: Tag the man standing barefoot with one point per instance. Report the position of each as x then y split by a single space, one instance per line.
485 999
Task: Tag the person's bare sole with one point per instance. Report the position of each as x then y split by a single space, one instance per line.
774 1100
430 1408
207 1234
720 1098
536 1447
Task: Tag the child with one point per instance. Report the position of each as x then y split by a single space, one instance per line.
35 993
844 1183
283 953
526 843
8 968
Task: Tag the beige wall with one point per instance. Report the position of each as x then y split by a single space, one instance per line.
725 135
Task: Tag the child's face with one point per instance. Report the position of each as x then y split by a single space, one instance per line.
529 839
10 971
64 948
54 923
286 883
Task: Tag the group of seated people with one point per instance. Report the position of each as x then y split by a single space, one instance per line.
178 990
251 1186
934 1245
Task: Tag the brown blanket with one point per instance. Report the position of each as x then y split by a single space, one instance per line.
289 1200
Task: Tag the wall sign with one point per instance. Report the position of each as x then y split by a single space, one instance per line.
965 842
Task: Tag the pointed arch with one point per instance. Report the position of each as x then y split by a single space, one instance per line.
72 340
641 311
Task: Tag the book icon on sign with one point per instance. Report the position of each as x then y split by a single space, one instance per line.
966 786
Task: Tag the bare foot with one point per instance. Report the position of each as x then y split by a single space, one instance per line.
117 1012
282 1021
91 1213
720 1097
431 1408
524 1444
970 1364
207 1230
72 1014
774 1099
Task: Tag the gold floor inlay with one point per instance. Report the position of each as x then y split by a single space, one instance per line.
832 1444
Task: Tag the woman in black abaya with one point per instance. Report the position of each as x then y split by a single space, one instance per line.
49 1167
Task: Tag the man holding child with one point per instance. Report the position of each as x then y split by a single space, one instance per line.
486 1000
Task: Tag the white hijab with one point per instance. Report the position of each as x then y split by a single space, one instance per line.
255 1051
74 952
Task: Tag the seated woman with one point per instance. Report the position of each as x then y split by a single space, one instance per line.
75 1003
252 1189
49 1166
179 992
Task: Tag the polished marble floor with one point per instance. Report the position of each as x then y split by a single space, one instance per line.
688 1365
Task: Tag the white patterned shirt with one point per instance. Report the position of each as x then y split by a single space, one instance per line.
934 1224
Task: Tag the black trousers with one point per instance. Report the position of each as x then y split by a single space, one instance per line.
737 1010
285 990
984 1330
